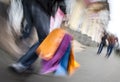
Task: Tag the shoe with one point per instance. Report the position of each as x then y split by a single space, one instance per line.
107 56
98 53
18 67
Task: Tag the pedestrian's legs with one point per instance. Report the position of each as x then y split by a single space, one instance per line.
110 50
30 56
26 60
100 48
41 20
108 47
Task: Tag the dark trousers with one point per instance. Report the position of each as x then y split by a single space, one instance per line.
100 48
109 49
37 17
30 56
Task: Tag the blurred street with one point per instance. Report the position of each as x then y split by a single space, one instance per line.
87 21
93 68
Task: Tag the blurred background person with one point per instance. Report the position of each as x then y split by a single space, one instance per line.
102 43
112 40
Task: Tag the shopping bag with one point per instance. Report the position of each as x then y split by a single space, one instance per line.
72 64
62 68
48 47
52 64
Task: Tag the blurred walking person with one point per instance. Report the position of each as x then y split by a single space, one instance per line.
102 43
111 43
37 14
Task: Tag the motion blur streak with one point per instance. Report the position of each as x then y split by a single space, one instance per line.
10 25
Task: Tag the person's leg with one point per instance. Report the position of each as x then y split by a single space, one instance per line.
110 50
107 50
41 21
100 48
26 60
30 56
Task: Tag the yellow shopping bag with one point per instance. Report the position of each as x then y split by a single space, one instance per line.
72 64
49 46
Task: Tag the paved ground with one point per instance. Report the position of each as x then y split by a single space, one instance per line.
93 68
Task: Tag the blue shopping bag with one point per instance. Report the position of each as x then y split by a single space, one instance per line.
62 68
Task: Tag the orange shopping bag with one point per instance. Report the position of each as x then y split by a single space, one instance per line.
49 46
72 65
